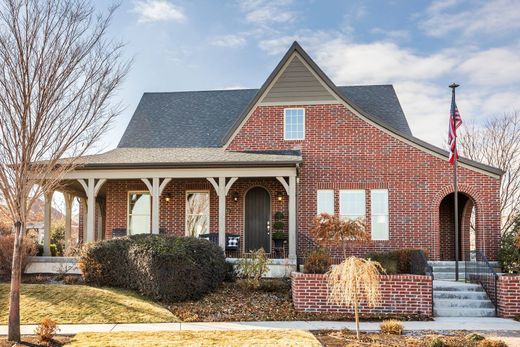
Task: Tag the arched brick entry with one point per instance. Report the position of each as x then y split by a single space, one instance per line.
447 226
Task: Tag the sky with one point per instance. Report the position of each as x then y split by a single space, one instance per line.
418 46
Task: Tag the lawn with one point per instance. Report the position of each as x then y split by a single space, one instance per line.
271 338
82 304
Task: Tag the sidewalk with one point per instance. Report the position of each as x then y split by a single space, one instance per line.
458 323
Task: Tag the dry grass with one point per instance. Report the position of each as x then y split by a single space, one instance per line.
82 304
492 343
393 327
271 338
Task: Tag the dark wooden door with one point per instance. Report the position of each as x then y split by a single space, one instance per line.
257 220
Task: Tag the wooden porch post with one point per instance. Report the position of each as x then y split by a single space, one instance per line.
68 217
92 189
292 217
47 210
222 212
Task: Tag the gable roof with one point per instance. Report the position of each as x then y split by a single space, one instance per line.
204 118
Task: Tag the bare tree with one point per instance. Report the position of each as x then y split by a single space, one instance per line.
497 143
59 74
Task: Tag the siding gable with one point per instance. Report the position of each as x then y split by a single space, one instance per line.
297 84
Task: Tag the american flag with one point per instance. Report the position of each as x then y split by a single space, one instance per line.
455 122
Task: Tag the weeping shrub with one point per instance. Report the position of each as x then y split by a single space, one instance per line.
166 268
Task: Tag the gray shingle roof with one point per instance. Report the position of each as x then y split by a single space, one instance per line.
172 157
204 118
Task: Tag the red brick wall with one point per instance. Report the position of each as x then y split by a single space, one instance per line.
508 292
342 151
401 294
172 214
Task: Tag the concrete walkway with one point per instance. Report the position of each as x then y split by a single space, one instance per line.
440 324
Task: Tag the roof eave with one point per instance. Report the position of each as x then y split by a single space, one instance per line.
227 164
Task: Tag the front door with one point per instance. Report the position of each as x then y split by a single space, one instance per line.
257 220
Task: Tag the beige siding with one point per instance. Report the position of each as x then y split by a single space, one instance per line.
297 83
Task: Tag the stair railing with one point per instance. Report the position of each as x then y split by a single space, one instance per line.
479 270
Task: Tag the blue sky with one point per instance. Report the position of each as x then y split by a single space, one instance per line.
418 46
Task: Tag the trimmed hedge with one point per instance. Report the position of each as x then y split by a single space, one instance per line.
401 261
166 268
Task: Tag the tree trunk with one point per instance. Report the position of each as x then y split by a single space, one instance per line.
16 277
356 313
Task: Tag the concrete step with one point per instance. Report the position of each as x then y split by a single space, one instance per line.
463 304
460 295
452 286
444 268
466 312
448 275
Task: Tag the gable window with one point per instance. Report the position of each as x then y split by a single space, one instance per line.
325 202
294 124
352 204
379 201
139 204
197 213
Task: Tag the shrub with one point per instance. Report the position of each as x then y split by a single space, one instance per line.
509 252
6 253
252 268
231 274
46 330
58 237
54 250
164 267
474 337
317 262
435 342
492 343
393 327
402 261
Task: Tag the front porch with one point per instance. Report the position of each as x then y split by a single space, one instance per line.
238 208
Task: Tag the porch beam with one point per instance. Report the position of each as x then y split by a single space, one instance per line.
47 212
163 185
213 183
292 217
284 183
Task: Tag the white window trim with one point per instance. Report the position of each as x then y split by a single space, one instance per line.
333 200
284 117
186 208
364 216
128 208
372 215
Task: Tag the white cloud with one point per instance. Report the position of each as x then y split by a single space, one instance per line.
229 41
392 35
496 66
158 10
471 17
264 12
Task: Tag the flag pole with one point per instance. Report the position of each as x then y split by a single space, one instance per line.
455 189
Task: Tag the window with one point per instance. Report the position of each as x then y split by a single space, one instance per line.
352 204
379 199
139 204
325 202
294 123
197 213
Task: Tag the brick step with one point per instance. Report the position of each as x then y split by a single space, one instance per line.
463 303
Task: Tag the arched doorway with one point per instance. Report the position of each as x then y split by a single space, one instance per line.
466 228
257 220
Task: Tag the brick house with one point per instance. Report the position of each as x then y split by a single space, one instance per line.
223 163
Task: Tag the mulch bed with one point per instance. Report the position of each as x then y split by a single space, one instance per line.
33 341
271 302
424 338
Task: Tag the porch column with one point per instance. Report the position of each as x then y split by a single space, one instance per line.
91 188
83 203
156 188
292 217
47 209
222 189
68 217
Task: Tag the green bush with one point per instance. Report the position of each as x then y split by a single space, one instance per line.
166 268
231 274
509 253
54 250
58 237
317 261
401 261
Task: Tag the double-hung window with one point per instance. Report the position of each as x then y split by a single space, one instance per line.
352 204
197 213
379 201
139 204
294 124
325 202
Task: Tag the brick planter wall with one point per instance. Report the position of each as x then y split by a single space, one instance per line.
508 292
401 295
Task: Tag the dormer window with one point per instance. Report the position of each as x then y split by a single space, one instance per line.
294 123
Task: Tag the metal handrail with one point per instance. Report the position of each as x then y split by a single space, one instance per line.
479 270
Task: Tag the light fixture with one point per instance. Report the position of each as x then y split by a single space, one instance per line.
167 197
279 196
235 196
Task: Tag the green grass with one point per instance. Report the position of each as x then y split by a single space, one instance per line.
271 338
82 304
